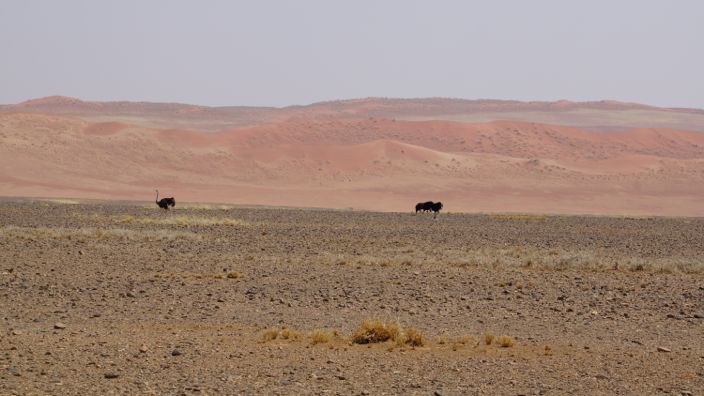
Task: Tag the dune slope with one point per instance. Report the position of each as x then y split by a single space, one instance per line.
374 164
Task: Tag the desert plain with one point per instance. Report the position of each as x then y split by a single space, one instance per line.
568 257
125 298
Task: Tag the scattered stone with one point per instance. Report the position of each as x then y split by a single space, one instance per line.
80 252
59 325
16 332
699 315
111 375
130 294
251 292
143 348
176 352
663 349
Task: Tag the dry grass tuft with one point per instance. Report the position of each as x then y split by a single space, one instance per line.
234 275
283 334
320 337
547 351
506 341
288 334
413 337
270 334
373 331
488 338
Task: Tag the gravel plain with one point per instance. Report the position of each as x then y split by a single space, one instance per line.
125 298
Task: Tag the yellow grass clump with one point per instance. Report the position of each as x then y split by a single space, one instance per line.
488 338
320 337
413 337
375 331
506 341
288 334
270 334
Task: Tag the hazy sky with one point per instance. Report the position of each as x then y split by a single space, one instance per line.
297 52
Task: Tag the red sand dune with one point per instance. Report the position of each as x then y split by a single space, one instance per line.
363 163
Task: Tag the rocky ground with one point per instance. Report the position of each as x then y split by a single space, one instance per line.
99 298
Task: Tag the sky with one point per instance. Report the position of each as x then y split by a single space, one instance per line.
279 53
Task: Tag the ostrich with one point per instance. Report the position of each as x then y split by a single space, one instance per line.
164 203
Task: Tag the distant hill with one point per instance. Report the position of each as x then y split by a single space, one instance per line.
596 116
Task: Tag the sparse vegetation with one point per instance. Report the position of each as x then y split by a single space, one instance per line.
88 233
505 341
320 337
182 220
234 275
375 331
270 334
488 338
219 295
288 334
525 217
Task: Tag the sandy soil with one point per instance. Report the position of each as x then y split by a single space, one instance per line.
102 298
375 164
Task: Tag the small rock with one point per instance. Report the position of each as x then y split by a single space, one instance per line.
699 315
663 349
686 393
111 375
130 294
59 325
16 332
437 393
80 252
143 348
176 352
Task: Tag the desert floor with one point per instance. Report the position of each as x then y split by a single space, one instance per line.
107 298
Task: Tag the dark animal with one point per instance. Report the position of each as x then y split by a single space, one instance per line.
164 203
424 206
436 207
